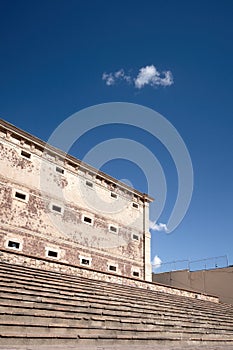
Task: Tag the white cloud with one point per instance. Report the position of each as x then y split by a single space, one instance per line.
112 78
109 78
158 227
156 262
119 74
148 75
168 79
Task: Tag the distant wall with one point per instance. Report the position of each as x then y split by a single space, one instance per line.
217 282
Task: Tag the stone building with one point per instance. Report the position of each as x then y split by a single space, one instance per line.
75 261
54 207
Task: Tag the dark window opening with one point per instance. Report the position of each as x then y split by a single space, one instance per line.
52 253
59 170
56 208
135 205
136 237
87 219
135 273
113 229
12 244
88 183
20 195
85 261
26 154
112 268
113 195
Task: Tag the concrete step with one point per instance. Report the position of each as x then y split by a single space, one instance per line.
109 304
24 324
79 307
108 334
106 318
95 338
165 301
79 279
98 297
40 307
67 330
97 282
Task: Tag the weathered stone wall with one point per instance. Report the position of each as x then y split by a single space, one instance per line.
116 233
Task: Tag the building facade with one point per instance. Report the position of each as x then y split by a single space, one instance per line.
55 207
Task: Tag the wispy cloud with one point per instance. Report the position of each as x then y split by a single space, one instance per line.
156 262
157 227
112 78
109 78
148 75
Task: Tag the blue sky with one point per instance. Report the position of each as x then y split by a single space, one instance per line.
52 58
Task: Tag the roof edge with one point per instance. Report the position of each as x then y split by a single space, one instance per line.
67 157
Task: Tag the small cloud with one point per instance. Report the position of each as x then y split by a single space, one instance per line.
112 78
168 79
109 78
156 262
119 74
157 227
148 75
128 79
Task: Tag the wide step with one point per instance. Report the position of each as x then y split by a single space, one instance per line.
47 308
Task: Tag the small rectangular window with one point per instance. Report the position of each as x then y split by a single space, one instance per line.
20 195
87 220
135 273
114 195
112 268
25 154
135 205
59 170
85 261
13 244
135 237
52 254
56 208
113 228
89 183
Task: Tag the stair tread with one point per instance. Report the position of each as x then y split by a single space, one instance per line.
36 304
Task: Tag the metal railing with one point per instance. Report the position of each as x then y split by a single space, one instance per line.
193 265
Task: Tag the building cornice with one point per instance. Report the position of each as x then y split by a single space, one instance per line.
12 131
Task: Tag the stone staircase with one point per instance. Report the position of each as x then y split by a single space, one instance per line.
44 308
